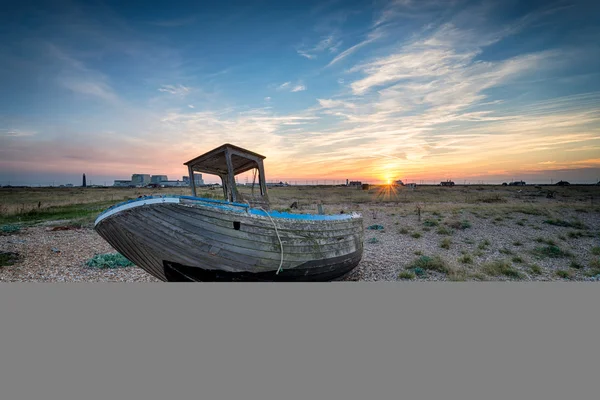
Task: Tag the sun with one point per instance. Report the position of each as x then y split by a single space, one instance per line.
389 181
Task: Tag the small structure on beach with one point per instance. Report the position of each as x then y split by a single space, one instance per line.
447 183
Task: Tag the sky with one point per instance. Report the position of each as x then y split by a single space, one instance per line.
428 90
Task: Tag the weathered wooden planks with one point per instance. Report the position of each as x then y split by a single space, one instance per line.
206 238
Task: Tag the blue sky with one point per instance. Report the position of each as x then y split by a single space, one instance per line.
372 90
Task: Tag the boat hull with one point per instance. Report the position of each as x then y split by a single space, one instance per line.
179 239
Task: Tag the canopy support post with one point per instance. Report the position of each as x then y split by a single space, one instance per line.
192 181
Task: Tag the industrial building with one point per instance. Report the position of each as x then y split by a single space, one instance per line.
158 178
140 179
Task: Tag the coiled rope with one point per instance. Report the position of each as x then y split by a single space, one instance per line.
276 232
278 237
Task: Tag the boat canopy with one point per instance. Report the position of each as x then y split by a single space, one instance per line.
227 161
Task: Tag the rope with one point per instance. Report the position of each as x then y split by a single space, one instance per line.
278 237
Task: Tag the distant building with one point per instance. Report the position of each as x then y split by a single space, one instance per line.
447 183
518 183
122 183
140 179
173 183
355 183
399 182
158 178
562 183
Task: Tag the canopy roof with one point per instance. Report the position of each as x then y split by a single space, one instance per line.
215 161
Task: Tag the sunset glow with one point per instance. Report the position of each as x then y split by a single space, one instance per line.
327 91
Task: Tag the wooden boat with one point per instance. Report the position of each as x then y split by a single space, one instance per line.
189 238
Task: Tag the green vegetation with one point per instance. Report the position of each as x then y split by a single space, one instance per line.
418 253
535 269
8 258
403 231
405 275
501 268
430 222
517 259
466 259
462 225
561 273
517 243
574 264
596 250
566 224
442 230
430 263
551 251
86 212
112 260
446 243
505 251
10 229
484 244
549 242
416 235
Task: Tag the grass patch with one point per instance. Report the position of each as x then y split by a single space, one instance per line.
462 225
403 231
561 273
565 224
575 265
484 244
517 243
501 268
419 271
551 251
535 269
418 253
442 230
446 243
549 242
86 212
406 275
430 222
520 223
8 258
9 229
498 219
466 259
430 263
596 250
416 235
110 261
517 259
505 251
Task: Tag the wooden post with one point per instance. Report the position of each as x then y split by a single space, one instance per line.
261 177
192 180
230 176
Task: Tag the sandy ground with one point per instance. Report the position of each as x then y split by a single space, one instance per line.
46 255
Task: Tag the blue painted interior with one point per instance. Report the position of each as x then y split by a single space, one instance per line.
237 207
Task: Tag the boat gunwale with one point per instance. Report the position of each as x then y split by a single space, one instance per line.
225 205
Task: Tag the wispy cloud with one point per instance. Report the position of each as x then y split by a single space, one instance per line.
5 132
75 76
373 36
298 88
330 44
178 90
